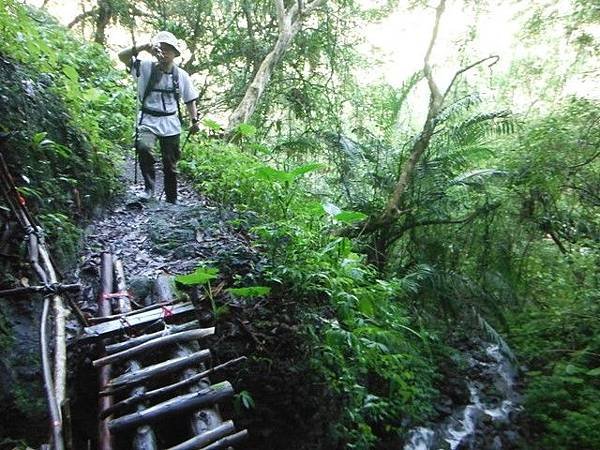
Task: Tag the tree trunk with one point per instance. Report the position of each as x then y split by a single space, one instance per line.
103 17
289 23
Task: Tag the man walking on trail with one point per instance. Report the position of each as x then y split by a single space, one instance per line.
160 86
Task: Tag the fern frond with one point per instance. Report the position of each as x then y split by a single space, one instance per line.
493 335
477 177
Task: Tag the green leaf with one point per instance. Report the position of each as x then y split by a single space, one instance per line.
365 306
92 94
246 130
306 168
259 148
572 380
350 216
211 124
270 174
246 399
71 73
201 275
594 372
38 138
571 369
250 291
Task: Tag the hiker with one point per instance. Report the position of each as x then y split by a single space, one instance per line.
160 86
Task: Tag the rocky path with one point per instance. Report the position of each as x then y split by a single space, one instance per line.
154 236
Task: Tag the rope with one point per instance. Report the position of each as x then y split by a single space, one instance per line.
108 296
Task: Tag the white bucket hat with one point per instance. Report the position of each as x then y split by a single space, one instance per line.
167 38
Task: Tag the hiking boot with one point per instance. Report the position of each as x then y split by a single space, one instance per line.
148 194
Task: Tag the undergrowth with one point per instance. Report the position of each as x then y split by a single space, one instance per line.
365 346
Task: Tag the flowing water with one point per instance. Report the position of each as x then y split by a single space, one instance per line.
485 423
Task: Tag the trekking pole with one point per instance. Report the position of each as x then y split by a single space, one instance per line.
187 138
135 164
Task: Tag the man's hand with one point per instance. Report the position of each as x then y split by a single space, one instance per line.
156 50
195 128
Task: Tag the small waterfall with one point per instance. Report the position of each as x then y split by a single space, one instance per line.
492 372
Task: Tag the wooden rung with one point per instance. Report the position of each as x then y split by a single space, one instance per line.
165 390
165 367
181 404
227 441
207 437
172 329
107 329
184 336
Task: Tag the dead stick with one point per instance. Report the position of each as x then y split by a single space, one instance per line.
250 333
151 395
51 289
153 344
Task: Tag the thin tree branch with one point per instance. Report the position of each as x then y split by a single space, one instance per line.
586 162
469 67
82 16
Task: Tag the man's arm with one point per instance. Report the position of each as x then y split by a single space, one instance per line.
126 55
193 113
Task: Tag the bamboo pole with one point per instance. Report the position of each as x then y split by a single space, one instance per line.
176 405
228 441
163 391
154 344
160 369
145 438
60 337
44 290
105 440
172 329
114 327
226 428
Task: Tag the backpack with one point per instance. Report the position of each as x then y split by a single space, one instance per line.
155 76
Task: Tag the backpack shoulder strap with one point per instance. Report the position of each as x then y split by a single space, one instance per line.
176 91
155 75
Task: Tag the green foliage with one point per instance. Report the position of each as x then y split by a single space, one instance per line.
243 399
75 110
201 275
250 291
368 352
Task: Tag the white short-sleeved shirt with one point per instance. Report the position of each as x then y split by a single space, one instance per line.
162 101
